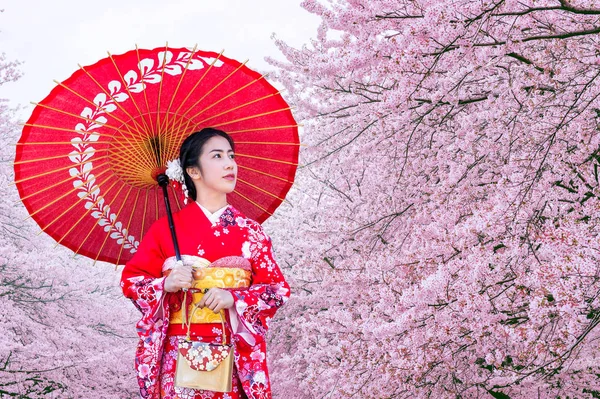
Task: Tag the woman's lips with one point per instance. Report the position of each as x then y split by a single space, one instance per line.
229 177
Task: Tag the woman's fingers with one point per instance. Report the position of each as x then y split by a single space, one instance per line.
179 277
184 276
216 306
186 284
216 299
211 299
220 306
202 302
211 304
186 280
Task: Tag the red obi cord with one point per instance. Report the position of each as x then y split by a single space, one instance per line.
201 331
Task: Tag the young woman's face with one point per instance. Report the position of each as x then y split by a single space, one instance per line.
218 170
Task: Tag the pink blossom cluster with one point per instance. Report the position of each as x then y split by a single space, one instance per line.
446 221
65 329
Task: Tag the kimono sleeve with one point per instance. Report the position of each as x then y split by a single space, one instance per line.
142 280
255 306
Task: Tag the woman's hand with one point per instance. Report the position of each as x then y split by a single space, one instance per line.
216 299
179 277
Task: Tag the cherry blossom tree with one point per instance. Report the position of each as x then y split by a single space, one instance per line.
446 215
65 329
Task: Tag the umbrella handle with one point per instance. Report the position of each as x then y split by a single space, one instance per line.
163 181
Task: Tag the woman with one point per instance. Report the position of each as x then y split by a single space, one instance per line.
223 251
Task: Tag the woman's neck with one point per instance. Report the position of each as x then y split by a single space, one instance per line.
212 203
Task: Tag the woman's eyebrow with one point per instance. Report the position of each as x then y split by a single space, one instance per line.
219 150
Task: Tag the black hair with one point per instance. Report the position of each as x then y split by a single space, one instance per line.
190 152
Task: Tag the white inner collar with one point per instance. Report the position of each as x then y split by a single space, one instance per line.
213 217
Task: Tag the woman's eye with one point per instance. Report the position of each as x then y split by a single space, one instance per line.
232 156
217 156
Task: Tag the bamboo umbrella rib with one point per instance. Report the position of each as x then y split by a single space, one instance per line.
138 182
60 111
253 130
235 108
144 214
135 104
94 225
185 69
55 157
260 189
146 161
86 237
46 143
77 203
58 184
237 154
252 117
56 170
121 162
160 86
126 164
137 155
64 195
130 171
135 177
172 135
130 181
156 204
199 81
252 202
179 135
229 95
171 154
175 196
265 174
182 127
155 147
93 103
139 129
109 151
260 129
146 154
137 51
183 117
117 217
87 119
63 129
132 211
185 114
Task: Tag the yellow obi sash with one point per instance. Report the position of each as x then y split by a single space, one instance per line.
227 272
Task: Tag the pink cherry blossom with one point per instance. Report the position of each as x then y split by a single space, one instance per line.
442 234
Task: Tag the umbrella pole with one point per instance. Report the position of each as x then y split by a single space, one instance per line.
163 181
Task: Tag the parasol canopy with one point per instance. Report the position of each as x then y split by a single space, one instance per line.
87 161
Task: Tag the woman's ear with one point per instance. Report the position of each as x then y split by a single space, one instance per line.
194 172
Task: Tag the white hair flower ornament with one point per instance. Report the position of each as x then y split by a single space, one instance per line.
175 173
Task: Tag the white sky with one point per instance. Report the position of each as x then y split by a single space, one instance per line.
52 37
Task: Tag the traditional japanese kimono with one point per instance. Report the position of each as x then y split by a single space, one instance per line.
227 250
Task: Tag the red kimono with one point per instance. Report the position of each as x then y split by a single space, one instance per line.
232 235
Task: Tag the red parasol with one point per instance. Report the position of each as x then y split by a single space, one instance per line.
87 161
